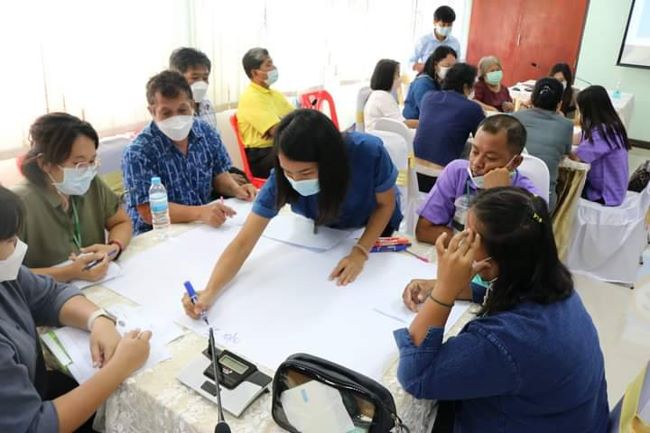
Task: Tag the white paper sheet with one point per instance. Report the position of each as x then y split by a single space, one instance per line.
297 230
314 407
50 340
281 302
397 311
114 271
243 208
76 342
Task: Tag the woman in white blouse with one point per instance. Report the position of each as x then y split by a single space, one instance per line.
382 102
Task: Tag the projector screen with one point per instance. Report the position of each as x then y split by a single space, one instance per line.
635 49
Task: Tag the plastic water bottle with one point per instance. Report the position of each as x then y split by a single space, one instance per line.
159 207
617 92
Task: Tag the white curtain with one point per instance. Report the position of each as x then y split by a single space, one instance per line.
93 58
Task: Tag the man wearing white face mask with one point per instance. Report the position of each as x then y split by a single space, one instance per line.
186 153
195 66
260 110
493 162
69 209
443 20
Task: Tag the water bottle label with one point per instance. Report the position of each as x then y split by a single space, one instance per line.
159 207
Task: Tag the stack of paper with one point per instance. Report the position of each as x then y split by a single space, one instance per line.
71 346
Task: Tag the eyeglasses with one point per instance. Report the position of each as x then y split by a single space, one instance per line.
84 166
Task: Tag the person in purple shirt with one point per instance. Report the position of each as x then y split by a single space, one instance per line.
493 162
531 361
604 145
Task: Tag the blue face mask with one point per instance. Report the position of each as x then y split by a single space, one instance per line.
305 187
271 76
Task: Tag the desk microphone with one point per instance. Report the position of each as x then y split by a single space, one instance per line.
222 426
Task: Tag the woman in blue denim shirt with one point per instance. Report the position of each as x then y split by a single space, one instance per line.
532 361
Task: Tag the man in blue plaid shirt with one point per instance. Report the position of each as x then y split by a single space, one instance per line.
186 153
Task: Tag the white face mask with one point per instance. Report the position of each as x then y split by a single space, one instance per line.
10 266
442 71
177 128
305 187
199 90
76 181
479 181
443 31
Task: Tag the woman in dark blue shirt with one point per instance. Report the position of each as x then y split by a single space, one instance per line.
531 362
340 181
435 70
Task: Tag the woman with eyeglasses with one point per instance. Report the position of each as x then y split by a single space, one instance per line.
71 214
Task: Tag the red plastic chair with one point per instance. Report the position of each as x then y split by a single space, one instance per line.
257 182
315 100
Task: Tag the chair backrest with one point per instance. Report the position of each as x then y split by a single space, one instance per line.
315 101
392 125
362 98
256 181
537 172
109 153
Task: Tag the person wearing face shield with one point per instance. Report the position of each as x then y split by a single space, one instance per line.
195 66
260 110
443 20
493 161
186 153
70 212
342 181
32 398
531 361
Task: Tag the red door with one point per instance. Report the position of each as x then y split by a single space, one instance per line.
528 36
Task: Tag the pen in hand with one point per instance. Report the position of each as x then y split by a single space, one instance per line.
194 298
94 263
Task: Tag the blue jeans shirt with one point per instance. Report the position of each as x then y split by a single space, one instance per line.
534 368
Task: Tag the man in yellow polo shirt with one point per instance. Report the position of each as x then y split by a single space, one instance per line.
260 110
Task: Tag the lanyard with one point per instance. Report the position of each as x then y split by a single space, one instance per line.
76 232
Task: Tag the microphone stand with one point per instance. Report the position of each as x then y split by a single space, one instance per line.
222 426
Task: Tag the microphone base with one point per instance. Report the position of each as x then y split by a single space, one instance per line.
222 427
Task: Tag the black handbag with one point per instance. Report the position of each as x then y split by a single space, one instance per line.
370 405
640 178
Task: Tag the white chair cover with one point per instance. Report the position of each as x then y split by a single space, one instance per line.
110 152
608 241
536 170
397 149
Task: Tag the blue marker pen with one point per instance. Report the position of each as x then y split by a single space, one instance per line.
194 298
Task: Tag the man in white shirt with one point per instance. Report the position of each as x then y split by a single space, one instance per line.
443 20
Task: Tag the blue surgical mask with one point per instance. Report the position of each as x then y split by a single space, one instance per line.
305 187
443 31
494 77
76 181
271 76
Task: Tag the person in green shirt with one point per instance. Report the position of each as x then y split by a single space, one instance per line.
71 214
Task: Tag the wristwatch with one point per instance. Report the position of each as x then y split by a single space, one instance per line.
99 313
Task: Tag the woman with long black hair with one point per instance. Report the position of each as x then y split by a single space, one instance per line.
337 180
562 72
604 146
531 362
